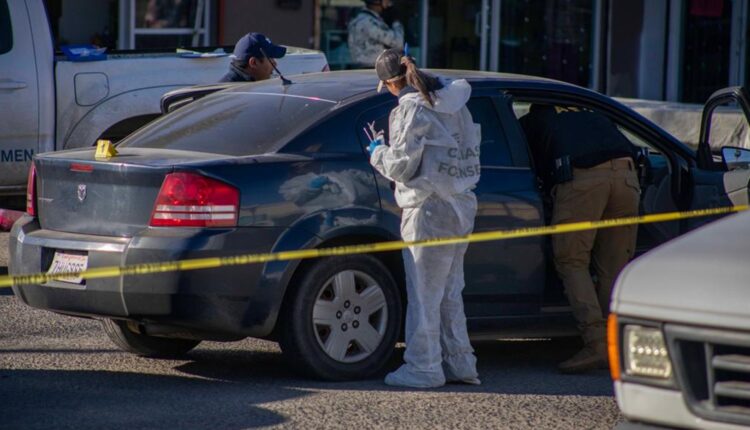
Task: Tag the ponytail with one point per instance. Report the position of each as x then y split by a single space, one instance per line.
423 82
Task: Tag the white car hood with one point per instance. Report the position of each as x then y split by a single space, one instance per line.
701 278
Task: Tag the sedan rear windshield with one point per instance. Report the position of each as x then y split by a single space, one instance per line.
232 123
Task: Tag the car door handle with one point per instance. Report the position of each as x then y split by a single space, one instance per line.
12 85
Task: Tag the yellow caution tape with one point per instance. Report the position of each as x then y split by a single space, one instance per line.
212 263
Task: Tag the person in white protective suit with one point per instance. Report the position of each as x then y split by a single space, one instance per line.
433 157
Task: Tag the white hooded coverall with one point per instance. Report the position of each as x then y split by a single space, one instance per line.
433 157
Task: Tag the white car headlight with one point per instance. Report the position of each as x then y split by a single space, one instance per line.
645 352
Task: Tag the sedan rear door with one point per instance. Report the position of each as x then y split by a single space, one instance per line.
504 277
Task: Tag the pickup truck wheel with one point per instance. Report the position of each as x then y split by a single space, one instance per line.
343 319
148 346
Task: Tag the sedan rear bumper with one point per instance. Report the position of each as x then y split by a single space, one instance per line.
223 303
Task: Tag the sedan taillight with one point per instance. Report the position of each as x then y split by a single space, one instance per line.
31 191
192 200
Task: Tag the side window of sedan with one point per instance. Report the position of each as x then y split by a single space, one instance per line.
494 150
367 128
375 119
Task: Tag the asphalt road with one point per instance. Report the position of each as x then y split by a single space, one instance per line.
61 372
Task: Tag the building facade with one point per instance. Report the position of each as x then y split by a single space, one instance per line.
675 50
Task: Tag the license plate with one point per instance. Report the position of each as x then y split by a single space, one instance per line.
64 262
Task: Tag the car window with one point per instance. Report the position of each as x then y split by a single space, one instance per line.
521 108
495 150
233 123
378 118
729 127
6 31
637 140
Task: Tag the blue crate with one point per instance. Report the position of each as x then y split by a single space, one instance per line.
84 52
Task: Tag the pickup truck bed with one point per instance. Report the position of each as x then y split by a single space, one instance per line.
59 104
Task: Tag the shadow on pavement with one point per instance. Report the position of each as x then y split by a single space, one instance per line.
84 399
58 351
505 367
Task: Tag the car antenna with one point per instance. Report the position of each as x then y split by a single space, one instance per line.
284 81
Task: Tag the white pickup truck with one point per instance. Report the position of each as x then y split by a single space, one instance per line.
49 103
680 332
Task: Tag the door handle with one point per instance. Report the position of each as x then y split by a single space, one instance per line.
12 85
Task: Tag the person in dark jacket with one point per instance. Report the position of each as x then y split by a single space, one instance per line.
254 59
588 166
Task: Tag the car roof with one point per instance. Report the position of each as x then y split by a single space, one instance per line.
339 86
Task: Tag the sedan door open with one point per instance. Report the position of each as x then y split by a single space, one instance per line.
722 173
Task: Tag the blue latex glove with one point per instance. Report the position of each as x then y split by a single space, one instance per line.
318 182
374 144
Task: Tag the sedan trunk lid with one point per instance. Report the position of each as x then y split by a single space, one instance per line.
78 194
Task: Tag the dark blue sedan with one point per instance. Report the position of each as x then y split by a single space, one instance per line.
263 167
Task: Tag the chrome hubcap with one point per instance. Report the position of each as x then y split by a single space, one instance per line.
350 316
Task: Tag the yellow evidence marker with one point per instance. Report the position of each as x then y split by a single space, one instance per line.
105 149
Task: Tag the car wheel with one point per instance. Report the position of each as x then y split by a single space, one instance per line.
343 319
131 341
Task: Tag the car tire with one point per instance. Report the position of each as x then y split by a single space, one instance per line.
148 346
343 318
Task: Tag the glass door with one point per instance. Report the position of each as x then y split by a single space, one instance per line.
334 17
708 47
458 34
167 23
550 38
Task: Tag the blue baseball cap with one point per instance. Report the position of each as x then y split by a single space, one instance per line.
251 44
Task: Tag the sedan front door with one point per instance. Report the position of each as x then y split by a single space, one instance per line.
717 180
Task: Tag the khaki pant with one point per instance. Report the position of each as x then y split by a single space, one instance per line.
608 190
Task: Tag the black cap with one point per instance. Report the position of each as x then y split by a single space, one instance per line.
255 45
388 64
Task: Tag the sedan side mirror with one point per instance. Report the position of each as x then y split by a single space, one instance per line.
735 158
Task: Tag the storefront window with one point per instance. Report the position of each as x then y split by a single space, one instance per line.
334 16
83 22
454 35
551 38
624 56
706 49
165 13
170 23
334 19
